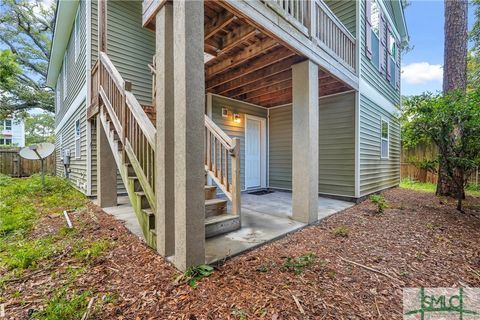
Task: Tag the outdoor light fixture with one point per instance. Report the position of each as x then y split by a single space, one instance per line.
224 113
236 118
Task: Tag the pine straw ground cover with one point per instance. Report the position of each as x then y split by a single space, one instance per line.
418 241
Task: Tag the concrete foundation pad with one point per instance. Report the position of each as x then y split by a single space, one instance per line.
264 218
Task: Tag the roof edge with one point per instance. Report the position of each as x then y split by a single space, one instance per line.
65 18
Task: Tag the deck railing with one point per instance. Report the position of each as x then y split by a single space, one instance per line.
316 21
131 123
222 162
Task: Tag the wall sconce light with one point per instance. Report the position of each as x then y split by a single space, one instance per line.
224 113
236 118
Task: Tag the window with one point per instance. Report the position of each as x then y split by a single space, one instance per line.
5 141
375 18
76 35
64 76
384 139
60 144
77 139
8 125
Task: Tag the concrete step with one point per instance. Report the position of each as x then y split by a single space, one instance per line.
142 200
215 207
150 217
217 225
210 192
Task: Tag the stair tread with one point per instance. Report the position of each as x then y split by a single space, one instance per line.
148 212
210 187
140 193
214 201
220 218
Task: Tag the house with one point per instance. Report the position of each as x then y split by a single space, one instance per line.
185 105
12 132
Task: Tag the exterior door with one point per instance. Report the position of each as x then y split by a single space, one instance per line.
253 153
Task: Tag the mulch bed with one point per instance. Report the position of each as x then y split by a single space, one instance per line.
420 241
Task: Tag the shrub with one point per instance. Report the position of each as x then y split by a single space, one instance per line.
379 201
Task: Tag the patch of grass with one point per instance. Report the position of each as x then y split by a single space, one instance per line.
239 313
195 274
380 202
27 253
471 189
298 264
65 304
341 231
91 250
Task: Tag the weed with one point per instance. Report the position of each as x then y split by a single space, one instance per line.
195 274
263 268
239 313
379 201
341 231
65 305
296 265
430 226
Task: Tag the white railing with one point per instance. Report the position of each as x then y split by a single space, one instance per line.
316 21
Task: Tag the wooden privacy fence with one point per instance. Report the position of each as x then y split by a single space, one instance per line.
13 165
409 170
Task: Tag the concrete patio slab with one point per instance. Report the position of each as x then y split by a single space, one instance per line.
264 219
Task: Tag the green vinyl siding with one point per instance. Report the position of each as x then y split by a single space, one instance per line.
120 185
370 72
376 173
345 10
76 70
336 146
232 129
130 46
94 31
78 163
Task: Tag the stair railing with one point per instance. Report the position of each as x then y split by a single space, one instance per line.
222 162
135 130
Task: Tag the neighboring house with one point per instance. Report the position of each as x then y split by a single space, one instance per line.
12 132
294 95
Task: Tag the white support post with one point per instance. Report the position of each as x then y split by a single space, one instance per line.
305 141
165 153
189 96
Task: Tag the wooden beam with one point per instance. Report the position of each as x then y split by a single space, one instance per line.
254 65
246 54
218 23
210 49
232 39
268 90
275 101
261 83
258 74
285 94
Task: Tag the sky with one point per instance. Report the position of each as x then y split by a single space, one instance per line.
423 66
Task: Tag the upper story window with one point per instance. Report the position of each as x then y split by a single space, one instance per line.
384 139
76 35
381 46
5 141
64 76
8 124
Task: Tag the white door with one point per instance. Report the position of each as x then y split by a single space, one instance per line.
253 153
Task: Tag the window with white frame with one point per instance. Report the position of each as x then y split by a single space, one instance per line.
77 139
384 139
8 124
5 141
76 34
64 76
60 145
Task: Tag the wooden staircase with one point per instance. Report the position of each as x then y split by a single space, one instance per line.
132 139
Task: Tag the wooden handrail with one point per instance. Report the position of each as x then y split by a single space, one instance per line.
135 130
222 162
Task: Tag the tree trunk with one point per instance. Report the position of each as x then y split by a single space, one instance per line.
454 69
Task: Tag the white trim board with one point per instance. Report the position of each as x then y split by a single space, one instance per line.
88 61
81 97
375 96
321 98
236 100
263 150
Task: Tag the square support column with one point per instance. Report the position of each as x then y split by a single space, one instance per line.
106 170
164 153
305 141
189 96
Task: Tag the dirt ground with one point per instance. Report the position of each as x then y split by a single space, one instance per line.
419 241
